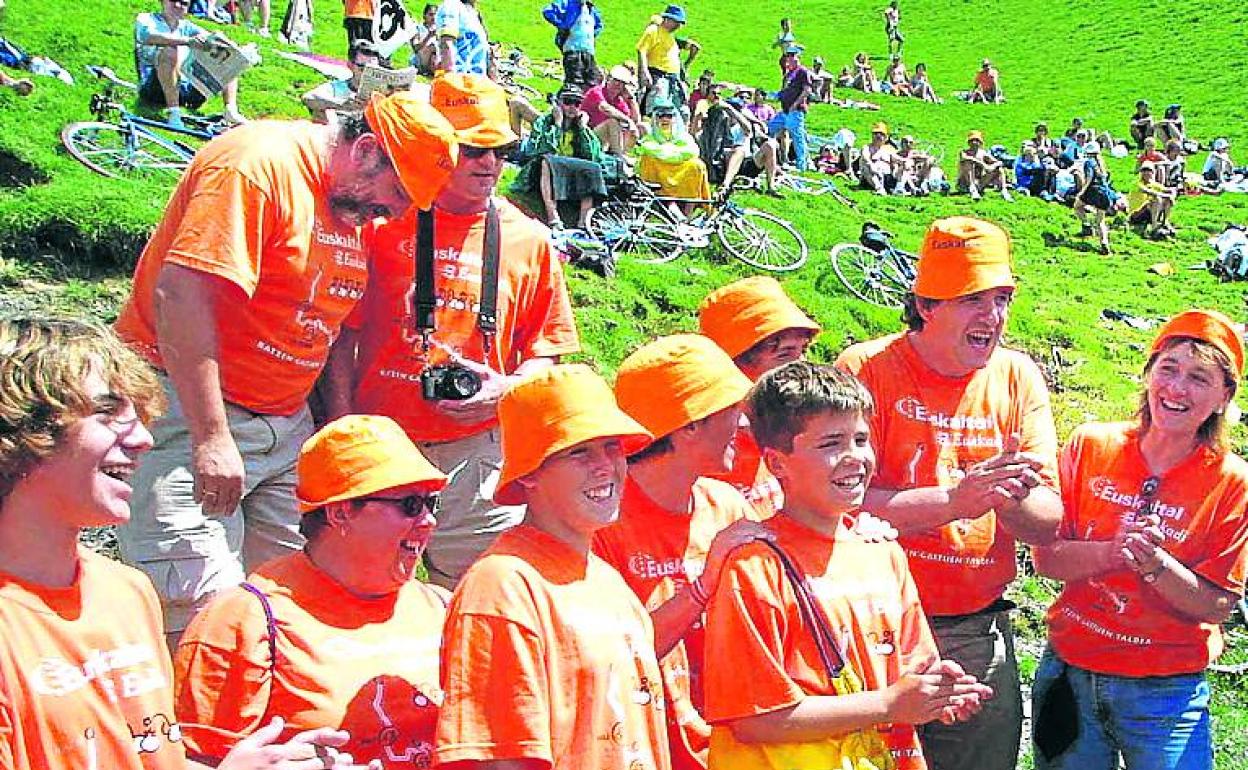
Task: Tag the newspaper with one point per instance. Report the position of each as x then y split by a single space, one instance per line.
224 60
384 81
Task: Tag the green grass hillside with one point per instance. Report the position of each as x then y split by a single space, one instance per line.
68 236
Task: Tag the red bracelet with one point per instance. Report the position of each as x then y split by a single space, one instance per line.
698 592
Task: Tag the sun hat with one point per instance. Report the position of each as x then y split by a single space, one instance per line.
1220 144
357 455
1148 165
794 49
624 75
961 256
419 141
476 106
673 381
675 13
1092 148
1207 326
744 313
551 410
880 128
975 135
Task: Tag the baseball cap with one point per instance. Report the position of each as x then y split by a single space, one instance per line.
961 256
419 141
476 106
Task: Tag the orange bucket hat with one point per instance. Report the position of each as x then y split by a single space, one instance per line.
358 455
1207 326
676 380
476 106
744 313
551 410
961 256
419 141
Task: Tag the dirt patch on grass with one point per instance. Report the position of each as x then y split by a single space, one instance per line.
62 241
16 172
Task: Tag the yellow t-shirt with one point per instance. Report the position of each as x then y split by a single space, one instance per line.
660 48
1142 194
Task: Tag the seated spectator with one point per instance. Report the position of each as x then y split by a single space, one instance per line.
613 112
1172 172
759 108
278 644
864 77
745 149
896 81
1150 153
821 80
704 87
987 88
669 158
1071 152
342 95
425 42
845 78
979 170
921 87
1141 124
1218 168
1149 203
163 44
1031 175
1041 139
1096 197
828 161
917 173
563 159
23 86
877 165
1172 126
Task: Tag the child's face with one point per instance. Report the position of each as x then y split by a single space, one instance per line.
830 466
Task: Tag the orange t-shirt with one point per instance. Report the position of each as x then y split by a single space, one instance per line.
927 430
658 552
750 474
357 9
85 680
251 210
1114 623
547 655
760 656
534 312
367 666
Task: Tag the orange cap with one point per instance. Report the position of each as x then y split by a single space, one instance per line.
476 107
551 410
1207 326
358 455
961 256
676 380
418 139
746 312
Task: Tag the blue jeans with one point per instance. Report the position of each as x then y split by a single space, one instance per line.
795 124
1154 723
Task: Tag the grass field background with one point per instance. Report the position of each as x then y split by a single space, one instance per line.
69 237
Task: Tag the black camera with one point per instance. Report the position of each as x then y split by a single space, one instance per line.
450 382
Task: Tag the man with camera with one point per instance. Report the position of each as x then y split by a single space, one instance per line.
461 302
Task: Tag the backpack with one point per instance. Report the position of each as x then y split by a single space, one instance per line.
1231 264
12 55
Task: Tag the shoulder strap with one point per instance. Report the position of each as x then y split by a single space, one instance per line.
487 315
423 300
812 614
269 619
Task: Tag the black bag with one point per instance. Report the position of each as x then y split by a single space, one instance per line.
1055 725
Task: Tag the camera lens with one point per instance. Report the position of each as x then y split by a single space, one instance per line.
463 383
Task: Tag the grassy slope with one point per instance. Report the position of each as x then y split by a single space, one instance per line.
1058 59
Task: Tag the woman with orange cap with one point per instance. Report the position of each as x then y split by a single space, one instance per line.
1152 550
338 634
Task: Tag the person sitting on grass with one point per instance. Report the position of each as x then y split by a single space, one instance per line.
864 78
822 80
979 170
747 150
759 108
987 87
896 81
1149 204
1141 125
564 159
669 158
1172 126
425 42
921 87
163 44
1172 172
1150 153
1042 140
339 95
877 165
812 678
1219 169
1031 175
613 112
1096 198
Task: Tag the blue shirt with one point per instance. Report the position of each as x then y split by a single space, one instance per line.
147 23
581 35
461 21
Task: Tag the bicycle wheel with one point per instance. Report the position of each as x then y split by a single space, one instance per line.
640 232
524 89
762 240
124 153
1234 659
868 275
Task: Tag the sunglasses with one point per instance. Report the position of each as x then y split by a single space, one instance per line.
568 101
475 153
661 115
413 506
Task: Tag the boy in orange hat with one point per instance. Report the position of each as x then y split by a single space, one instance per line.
547 657
774 694
676 525
530 328
260 243
963 432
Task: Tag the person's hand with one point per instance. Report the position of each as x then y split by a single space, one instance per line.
873 529
308 750
218 473
1006 477
1139 543
725 542
942 691
23 87
482 406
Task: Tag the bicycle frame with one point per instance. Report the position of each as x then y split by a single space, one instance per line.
105 107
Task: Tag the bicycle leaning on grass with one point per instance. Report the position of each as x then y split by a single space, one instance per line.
648 228
124 145
875 270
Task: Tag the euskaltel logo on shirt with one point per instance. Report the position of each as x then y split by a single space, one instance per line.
1104 488
643 565
912 408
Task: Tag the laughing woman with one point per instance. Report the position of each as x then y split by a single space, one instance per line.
1152 553
338 635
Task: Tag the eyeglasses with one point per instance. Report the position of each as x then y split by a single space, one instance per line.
568 101
413 506
476 153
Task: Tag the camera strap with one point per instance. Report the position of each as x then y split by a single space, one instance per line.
424 300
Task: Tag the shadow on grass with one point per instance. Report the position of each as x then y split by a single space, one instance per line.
1054 240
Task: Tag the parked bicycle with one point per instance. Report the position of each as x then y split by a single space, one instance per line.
647 228
513 69
873 269
1234 659
124 145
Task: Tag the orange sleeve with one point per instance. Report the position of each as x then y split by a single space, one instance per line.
222 229
549 326
1037 432
221 675
496 702
1068 471
917 644
6 731
1227 560
746 629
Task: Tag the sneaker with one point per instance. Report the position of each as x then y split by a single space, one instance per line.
234 117
772 192
264 32
1005 196
1085 231
174 118
975 194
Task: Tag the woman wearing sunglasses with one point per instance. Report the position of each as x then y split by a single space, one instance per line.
339 634
669 158
1152 553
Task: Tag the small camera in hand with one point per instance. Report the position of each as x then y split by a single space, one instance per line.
449 382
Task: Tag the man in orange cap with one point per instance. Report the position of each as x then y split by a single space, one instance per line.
458 338
548 660
677 526
963 432
238 298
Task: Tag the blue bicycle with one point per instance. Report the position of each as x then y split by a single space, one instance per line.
123 145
